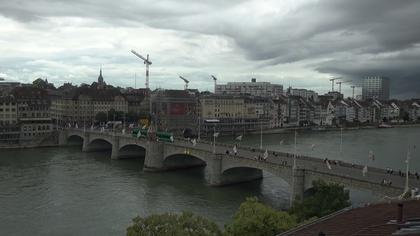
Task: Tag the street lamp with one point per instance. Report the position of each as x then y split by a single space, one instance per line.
261 135
213 121
294 153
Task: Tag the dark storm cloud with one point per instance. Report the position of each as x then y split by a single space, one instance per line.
351 38
403 69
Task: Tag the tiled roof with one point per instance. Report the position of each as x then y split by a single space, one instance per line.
373 220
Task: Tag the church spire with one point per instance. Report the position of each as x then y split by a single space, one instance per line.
100 78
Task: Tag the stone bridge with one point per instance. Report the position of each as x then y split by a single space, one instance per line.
224 169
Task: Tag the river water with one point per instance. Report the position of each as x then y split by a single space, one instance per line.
63 191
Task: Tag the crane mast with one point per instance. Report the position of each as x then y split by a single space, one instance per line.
147 62
332 83
353 87
186 82
215 82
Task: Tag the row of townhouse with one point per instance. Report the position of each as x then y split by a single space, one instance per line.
296 111
25 115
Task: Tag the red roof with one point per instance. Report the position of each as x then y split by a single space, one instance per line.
370 220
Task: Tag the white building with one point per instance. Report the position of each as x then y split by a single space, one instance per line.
304 93
253 88
375 87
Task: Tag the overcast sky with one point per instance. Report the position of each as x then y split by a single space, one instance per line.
291 42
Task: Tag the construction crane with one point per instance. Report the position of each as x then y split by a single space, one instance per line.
147 62
186 82
215 82
332 83
339 84
353 87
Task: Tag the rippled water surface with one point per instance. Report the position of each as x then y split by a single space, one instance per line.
63 191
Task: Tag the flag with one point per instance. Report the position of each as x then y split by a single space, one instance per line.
281 142
216 135
172 138
371 155
365 170
408 157
194 142
328 164
313 147
265 154
239 138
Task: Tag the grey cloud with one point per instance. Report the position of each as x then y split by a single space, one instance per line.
356 34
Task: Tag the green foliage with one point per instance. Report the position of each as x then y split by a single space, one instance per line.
185 224
254 218
326 199
101 117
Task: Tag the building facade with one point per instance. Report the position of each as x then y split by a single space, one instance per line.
253 88
175 110
375 87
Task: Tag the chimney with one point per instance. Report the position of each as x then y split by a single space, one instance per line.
253 80
400 213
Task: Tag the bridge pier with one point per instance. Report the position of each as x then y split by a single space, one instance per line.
298 185
153 160
214 171
85 147
115 155
62 138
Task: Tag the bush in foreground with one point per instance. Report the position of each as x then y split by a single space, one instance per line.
185 224
326 199
254 218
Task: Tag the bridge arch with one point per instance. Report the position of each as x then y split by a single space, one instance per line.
282 172
132 150
183 160
75 139
98 144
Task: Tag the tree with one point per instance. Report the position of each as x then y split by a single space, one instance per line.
254 218
185 224
326 199
101 117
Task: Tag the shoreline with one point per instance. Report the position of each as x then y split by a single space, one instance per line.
267 131
329 129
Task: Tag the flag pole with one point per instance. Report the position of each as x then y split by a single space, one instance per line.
341 142
214 138
261 137
407 162
294 154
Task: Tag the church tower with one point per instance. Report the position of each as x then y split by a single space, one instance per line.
100 78
101 82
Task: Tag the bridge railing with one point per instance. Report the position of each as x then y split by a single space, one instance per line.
252 149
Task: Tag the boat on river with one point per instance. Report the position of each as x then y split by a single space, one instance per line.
383 125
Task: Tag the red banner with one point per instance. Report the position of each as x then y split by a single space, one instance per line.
178 109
